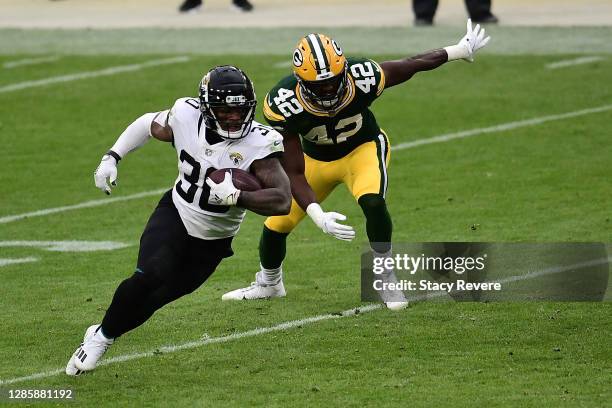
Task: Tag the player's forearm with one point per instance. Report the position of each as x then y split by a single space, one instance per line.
399 71
269 201
301 191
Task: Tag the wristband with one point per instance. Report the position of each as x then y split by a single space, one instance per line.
455 52
114 155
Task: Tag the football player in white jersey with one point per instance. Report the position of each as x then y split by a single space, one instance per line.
191 230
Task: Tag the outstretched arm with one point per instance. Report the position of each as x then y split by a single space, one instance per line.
399 71
136 135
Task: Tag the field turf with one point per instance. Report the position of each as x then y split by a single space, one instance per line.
542 182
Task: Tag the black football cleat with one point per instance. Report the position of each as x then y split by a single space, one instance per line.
423 22
488 19
190 6
243 5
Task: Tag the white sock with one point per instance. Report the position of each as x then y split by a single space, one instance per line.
389 296
272 276
387 254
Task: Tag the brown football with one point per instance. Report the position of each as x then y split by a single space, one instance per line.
243 180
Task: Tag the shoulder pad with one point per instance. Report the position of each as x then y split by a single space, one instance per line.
266 137
271 111
186 106
184 109
262 132
368 76
281 104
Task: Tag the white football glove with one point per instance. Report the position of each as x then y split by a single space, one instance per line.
327 222
107 169
473 40
224 193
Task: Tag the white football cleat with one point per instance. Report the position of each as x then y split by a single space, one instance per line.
396 305
257 290
393 299
89 352
71 368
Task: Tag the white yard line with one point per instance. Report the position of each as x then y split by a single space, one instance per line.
86 204
401 146
92 74
283 64
29 61
66 246
293 323
212 340
574 61
499 128
13 261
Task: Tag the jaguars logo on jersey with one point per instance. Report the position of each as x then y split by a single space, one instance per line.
236 158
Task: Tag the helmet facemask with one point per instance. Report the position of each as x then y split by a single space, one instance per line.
230 120
325 93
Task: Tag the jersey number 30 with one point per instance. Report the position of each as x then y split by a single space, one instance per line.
193 178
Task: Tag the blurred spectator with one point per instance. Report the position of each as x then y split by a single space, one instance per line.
479 10
195 5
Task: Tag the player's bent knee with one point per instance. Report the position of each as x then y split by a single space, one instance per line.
282 224
372 203
134 288
148 278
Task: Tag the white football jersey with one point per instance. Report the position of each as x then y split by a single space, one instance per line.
198 156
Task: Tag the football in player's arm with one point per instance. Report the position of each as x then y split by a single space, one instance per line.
191 230
332 137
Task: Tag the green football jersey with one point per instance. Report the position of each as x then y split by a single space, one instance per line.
329 135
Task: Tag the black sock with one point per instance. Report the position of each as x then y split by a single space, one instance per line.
137 298
379 226
272 248
126 306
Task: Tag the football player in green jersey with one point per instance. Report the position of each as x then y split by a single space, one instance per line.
332 137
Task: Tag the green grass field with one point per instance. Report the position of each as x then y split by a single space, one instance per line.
540 182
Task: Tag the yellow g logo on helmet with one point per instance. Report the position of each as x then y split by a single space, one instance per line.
298 58
318 57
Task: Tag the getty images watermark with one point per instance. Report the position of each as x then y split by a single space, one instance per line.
382 265
474 271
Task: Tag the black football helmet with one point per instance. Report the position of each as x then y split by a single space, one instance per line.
227 101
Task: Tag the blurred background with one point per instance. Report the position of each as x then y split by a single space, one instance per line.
289 13
385 26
